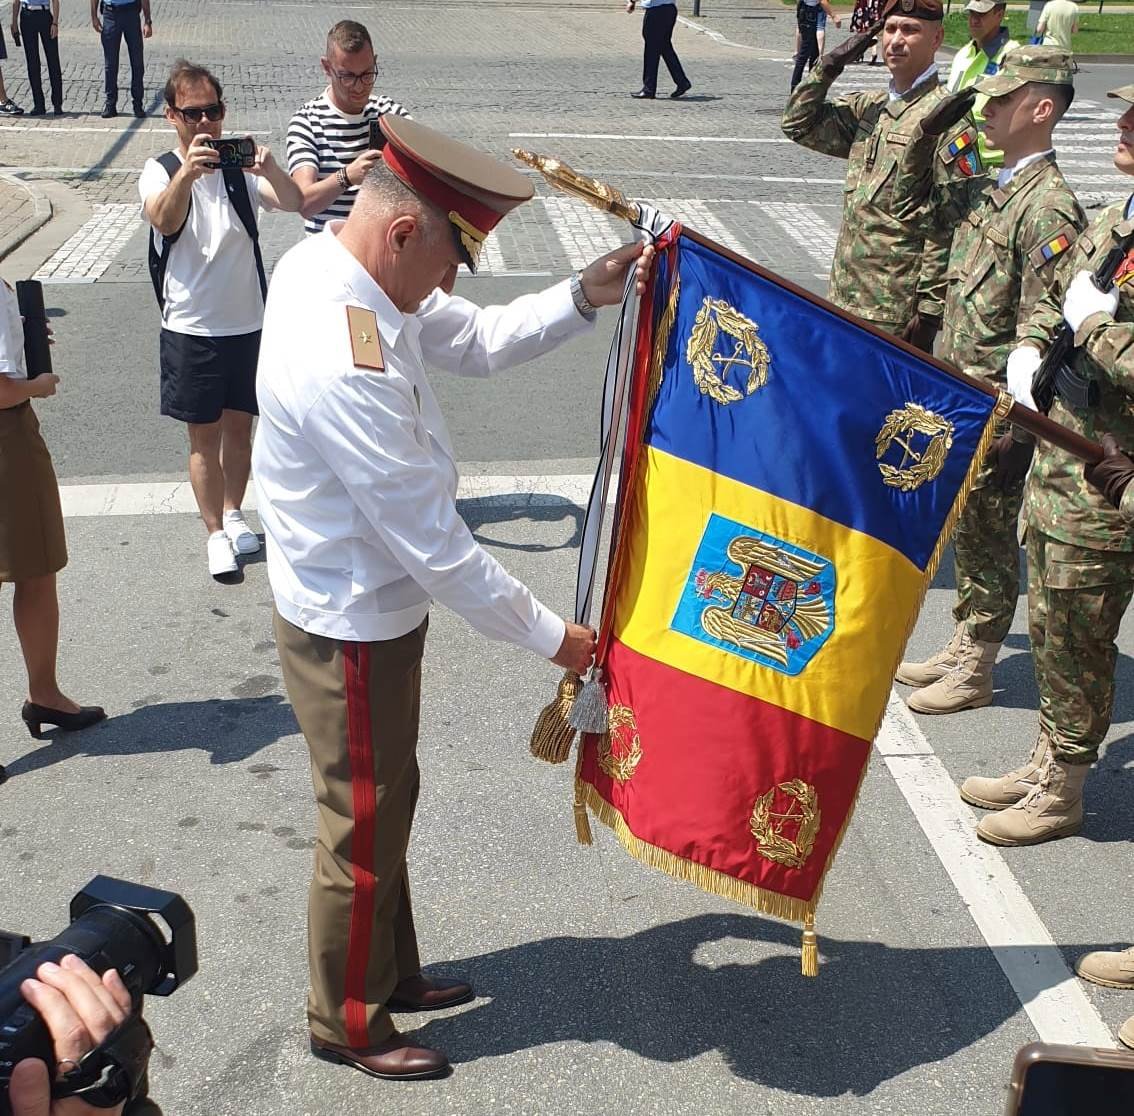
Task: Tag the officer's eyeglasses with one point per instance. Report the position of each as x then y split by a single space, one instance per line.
356 81
194 115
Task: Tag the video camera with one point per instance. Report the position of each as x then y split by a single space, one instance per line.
148 936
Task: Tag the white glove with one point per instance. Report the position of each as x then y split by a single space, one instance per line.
1083 299
1022 364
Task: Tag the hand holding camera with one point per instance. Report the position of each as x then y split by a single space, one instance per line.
357 170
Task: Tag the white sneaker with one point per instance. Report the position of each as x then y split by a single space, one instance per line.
221 559
242 537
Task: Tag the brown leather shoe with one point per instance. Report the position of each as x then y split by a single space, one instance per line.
422 993
396 1059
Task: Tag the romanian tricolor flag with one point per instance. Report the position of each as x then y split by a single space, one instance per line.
789 479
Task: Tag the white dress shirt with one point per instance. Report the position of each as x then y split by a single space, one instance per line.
930 70
1008 173
354 468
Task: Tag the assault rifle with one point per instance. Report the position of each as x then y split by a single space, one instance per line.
1055 375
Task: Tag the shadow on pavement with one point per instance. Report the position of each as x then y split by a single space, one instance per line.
481 512
873 1013
228 729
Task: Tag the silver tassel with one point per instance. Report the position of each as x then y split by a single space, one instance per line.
589 711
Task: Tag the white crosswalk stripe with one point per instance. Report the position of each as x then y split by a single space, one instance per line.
697 215
583 232
89 252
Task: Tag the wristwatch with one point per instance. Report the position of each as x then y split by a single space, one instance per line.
582 304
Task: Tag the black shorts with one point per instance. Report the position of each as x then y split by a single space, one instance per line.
203 376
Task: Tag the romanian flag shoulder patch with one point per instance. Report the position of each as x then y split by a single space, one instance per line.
1050 249
962 154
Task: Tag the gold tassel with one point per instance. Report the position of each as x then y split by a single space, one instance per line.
810 948
582 822
552 735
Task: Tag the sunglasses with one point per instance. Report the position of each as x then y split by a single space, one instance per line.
195 115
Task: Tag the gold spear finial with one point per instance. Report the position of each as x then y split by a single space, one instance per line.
599 194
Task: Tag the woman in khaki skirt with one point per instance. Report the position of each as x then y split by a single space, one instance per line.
32 546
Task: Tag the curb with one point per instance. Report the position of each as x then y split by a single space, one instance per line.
41 214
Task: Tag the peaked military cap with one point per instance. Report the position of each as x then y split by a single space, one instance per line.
1047 64
914 9
474 190
983 7
1123 93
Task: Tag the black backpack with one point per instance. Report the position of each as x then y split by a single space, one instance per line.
237 190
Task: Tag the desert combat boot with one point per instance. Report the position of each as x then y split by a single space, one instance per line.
967 686
1110 968
936 666
1007 790
1126 1033
1052 808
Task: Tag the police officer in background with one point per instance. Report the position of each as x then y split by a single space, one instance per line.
1006 249
129 20
1080 546
37 22
887 269
357 484
981 57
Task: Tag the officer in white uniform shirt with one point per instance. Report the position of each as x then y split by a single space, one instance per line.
357 492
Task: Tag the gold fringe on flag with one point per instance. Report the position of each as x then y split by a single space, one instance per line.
810 948
552 735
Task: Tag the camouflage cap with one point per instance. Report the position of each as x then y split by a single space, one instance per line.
1050 65
1123 93
914 9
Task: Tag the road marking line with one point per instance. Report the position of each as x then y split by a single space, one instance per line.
1054 999
85 501
696 214
808 228
583 232
45 129
654 139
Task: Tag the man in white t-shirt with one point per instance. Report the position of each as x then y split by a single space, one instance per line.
328 139
209 279
1058 21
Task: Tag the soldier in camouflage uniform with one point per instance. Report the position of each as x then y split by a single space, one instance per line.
887 269
1080 547
1004 256
1113 968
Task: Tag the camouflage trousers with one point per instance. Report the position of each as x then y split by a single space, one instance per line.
1076 600
986 552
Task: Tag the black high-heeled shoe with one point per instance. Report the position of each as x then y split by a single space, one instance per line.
36 716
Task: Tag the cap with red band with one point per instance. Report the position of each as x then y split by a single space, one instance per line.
472 189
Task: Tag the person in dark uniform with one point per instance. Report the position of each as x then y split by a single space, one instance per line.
129 20
37 22
658 19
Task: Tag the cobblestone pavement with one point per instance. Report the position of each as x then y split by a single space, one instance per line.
22 211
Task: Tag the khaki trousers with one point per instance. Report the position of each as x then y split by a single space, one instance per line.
358 705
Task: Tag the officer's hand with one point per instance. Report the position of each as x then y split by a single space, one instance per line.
1113 473
920 331
577 651
1012 461
200 159
80 1010
949 111
358 170
851 49
603 280
40 387
1023 363
1083 299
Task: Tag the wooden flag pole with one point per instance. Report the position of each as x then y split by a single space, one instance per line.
611 200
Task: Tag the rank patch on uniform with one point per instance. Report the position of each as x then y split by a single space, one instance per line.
365 344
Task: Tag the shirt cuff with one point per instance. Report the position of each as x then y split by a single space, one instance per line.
547 636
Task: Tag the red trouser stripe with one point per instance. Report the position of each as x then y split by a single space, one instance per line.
356 657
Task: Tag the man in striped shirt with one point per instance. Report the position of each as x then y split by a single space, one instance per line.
328 139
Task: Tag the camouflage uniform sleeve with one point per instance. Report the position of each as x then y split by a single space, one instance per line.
927 183
931 281
1110 345
1043 323
1050 232
812 121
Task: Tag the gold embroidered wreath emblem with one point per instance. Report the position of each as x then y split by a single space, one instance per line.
787 809
622 734
711 369
925 439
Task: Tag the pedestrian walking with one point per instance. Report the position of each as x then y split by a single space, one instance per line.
355 475
116 20
888 269
208 275
658 20
329 146
867 13
1057 22
8 107
37 23
810 23
981 57
1079 545
1006 250
33 547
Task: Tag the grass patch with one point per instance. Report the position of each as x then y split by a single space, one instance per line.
1109 33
